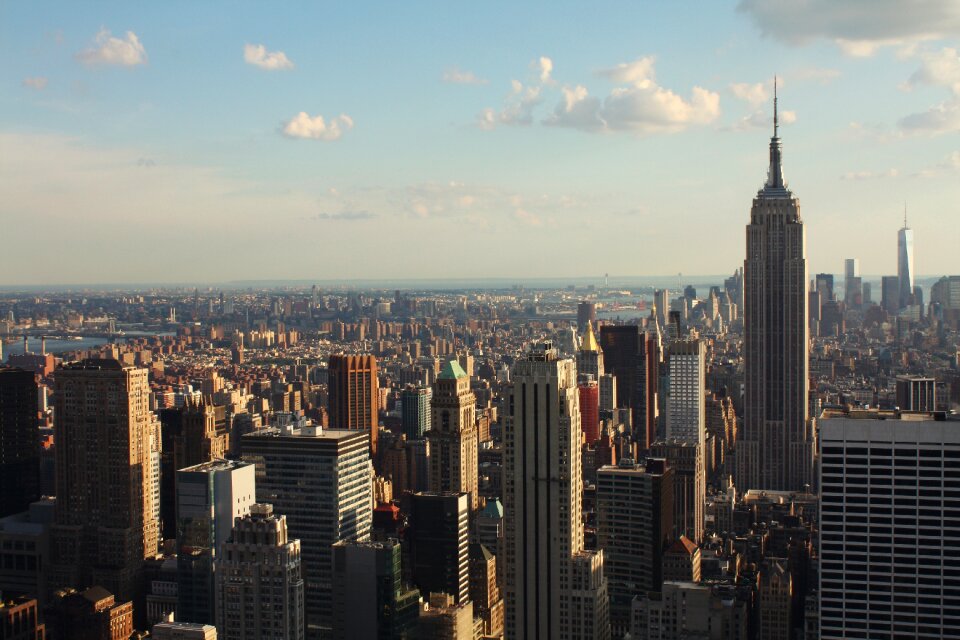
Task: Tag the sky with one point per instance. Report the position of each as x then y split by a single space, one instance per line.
211 141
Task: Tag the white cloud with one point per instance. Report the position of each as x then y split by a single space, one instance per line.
941 118
939 68
518 109
454 75
545 67
109 50
303 125
37 83
258 56
644 108
640 73
522 99
858 27
753 94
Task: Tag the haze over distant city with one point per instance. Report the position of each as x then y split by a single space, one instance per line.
195 143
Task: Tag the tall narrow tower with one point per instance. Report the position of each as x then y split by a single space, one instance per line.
353 402
905 262
776 451
453 436
554 588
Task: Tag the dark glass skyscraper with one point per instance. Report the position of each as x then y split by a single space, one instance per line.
19 441
776 450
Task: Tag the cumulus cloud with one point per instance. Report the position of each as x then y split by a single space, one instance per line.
37 83
110 50
258 56
940 118
303 125
753 94
942 69
522 99
544 67
346 216
859 27
454 75
642 107
518 109
938 68
640 73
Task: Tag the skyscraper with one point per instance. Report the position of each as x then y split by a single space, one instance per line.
685 449
260 591
905 273
686 403
777 447
440 544
415 403
890 526
369 598
19 441
590 356
320 479
453 436
661 301
586 313
545 592
108 477
589 408
634 527
890 294
916 393
852 283
353 393
633 357
210 496
203 436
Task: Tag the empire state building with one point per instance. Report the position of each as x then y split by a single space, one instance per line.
776 450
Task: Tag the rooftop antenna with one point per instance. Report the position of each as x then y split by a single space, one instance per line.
776 122
904 214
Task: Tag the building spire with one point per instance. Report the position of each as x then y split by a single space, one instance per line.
775 171
904 214
776 123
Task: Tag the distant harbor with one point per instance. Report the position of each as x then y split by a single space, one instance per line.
53 346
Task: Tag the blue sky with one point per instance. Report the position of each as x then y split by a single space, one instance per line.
215 141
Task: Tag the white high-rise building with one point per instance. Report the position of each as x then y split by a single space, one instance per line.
905 263
890 525
661 300
210 497
686 404
851 268
259 584
685 448
554 588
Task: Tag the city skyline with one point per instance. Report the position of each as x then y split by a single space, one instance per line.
125 129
